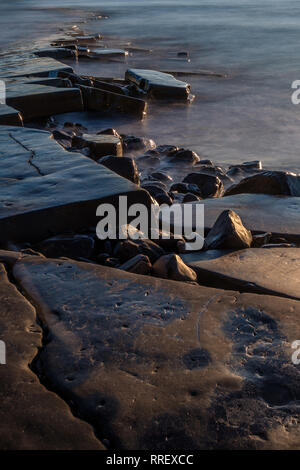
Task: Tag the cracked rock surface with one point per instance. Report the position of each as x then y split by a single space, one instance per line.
163 365
31 417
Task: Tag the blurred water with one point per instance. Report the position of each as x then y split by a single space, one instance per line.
248 115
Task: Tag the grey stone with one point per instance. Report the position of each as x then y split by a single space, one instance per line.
273 271
228 232
45 190
158 84
172 267
99 144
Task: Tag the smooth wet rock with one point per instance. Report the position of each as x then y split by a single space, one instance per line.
158 84
144 359
99 145
209 186
71 246
26 65
185 188
278 183
133 143
96 99
185 156
190 197
127 249
24 402
172 267
140 264
161 176
261 239
271 270
45 191
58 53
228 232
124 166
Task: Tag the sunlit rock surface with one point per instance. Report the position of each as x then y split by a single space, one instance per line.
262 270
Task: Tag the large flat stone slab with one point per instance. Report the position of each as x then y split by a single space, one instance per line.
159 365
263 270
158 84
35 101
259 213
31 417
45 190
27 65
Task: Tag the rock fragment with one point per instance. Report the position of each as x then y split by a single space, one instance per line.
172 267
228 232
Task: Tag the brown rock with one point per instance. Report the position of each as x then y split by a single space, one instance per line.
172 267
228 232
209 186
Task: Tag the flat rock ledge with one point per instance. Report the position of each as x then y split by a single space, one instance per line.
31 417
45 190
273 271
159 365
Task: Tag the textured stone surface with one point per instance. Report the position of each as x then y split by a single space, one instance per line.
45 190
31 417
270 270
163 365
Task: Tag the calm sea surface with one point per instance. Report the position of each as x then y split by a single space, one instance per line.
247 115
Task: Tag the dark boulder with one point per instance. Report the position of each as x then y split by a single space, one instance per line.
184 156
70 246
127 249
277 183
124 166
209 185
228 232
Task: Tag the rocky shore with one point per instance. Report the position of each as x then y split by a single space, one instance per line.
137 344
